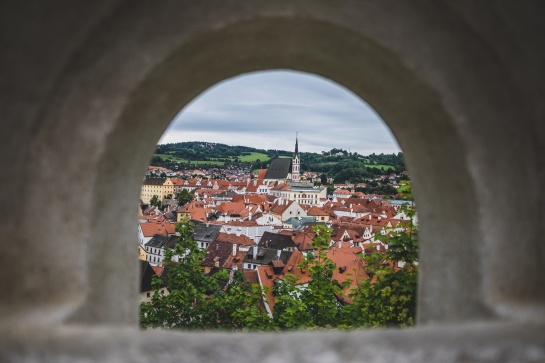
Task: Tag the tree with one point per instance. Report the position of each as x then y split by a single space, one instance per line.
184 197
320 296
314 305
222 300
185 305
323 179
388 298
155 201
290 311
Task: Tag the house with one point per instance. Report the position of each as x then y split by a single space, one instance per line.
147 273
277 241
155 186
302 238
232 211
205 233
146 230
342 193
242 241
195 211
318 213
296 222
261 256
284 209
249 228
222 254
155 249
267 219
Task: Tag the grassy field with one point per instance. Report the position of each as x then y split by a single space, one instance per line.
253 157
379 166
171 157
245 158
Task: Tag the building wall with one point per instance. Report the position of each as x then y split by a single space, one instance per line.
147 191
307 196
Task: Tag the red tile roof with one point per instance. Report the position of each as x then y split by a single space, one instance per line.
301 238
241 240
281 208
315 211
150 229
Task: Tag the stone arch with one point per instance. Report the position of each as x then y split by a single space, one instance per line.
456 82
409 105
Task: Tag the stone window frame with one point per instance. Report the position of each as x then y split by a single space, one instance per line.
117 89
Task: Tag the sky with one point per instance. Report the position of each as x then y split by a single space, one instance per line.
265 110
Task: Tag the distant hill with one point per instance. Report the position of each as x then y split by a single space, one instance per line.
336 163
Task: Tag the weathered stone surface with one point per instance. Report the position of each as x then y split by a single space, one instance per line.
87 90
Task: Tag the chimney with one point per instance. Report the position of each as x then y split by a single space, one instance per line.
254 255
234 249
340 243
278 253
239 231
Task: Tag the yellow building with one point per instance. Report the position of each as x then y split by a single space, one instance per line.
156 186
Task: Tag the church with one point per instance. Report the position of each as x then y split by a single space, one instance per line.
284 177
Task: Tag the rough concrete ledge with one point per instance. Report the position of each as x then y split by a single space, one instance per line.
480 342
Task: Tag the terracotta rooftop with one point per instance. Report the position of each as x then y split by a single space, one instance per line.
150 229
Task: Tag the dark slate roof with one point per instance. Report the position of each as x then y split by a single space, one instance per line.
154 181
160 241
276 241
206 233
146 274
279 169
265 256
225 194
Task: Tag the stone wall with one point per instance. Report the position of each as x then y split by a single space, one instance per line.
88 89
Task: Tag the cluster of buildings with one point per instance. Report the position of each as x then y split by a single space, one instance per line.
264 225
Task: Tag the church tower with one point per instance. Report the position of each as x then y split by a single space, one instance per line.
295 164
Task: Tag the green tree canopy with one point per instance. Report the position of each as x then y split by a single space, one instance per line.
155 201
388 298
184 197
195 301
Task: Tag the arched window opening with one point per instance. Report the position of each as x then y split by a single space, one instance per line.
300 208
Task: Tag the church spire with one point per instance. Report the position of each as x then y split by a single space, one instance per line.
295 163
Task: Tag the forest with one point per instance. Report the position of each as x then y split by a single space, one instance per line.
339 164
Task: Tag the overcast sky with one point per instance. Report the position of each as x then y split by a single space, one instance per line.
265 109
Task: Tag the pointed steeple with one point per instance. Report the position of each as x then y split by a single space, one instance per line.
295 166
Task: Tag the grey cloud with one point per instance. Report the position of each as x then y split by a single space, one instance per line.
269 107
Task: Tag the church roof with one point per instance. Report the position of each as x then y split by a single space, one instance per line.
279 169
